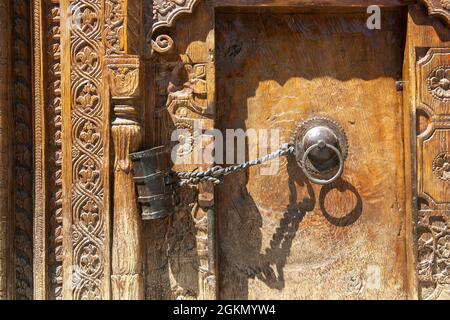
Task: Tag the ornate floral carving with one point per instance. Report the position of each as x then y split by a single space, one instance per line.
89 215
90 291
438 8
164 14
123 81
439 83
87 59
165 11
114 26
433 267
90 260
89 98
441 166
89 175
88 20
89 135
87 195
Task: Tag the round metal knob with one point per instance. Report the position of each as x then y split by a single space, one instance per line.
321 149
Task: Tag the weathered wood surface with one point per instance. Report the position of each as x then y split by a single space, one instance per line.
5 151
305 3
427 61
280 237
86 152
278 62
178 256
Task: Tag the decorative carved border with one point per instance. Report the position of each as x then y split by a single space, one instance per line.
23 148
433 168
86 152
5 152
165 12
438 8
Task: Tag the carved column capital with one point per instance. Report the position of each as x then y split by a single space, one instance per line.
124 77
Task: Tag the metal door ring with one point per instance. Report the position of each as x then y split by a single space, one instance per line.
321 144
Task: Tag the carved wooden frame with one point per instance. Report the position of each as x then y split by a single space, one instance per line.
54 100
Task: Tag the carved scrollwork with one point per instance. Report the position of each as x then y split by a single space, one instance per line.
438 8
165 13
162 44
114 23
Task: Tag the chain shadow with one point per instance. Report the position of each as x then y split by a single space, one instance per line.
281 242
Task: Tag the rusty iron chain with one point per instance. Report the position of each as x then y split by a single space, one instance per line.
217 173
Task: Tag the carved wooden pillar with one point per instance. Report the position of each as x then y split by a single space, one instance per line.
5 147
126 279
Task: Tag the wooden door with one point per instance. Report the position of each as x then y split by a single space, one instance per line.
281 236
113 77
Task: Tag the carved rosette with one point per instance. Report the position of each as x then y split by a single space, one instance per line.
88 215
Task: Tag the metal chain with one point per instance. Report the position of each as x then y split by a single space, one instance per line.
216 174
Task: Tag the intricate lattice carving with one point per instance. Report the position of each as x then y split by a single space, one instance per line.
441 166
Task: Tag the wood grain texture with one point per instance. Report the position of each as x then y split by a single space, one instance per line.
5 152
305 3
281 237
